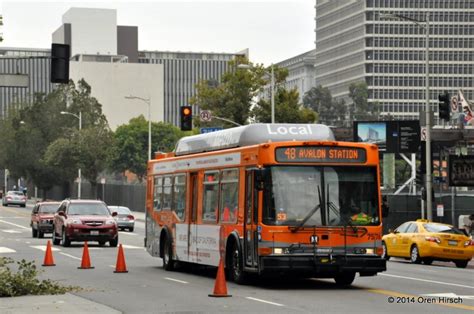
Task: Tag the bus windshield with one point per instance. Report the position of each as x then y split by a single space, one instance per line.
321 196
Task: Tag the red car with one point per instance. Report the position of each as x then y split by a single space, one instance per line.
42 218
84 220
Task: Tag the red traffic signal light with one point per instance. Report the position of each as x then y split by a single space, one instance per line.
186 117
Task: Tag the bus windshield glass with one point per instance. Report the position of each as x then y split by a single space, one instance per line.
307 196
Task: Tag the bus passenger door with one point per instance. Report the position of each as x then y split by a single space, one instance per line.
192 226
250 221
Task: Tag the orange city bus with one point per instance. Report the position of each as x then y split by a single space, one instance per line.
267 198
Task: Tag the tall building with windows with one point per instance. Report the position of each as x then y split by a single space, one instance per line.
356 43
300 74
31 62
182 71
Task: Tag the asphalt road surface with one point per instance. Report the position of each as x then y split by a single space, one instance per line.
147 288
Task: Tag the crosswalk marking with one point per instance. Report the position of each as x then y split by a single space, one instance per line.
128 233
10 223
6 250
43 248
126 246
11 231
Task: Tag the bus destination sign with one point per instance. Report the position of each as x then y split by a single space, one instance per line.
329 154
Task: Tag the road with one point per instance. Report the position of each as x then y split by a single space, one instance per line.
147 288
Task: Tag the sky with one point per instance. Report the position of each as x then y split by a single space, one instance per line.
273 30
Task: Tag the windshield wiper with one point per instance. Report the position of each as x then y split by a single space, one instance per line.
336 210
311 213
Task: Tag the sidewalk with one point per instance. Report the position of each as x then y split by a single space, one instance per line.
63 303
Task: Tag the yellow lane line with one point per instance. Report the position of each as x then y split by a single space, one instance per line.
403 295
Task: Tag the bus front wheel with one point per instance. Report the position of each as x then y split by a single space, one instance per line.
344 279
168 263
235 265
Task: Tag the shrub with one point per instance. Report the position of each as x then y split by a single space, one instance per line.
24 281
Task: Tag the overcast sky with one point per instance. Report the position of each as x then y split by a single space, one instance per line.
273 30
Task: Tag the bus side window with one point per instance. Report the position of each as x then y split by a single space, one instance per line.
229 195
167 197
179 195
210 196
158 191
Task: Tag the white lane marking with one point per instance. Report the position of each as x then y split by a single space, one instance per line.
11 231
449 295
43 248
426 280
172 279
12 217
260 300
69 255
128 233
11 223
6 250
126 246
112 266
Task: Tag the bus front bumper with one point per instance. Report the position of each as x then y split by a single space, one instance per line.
322 266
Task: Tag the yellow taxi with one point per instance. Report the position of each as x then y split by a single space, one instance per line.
426 241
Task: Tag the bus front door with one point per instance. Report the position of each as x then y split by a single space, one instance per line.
250 222
192 226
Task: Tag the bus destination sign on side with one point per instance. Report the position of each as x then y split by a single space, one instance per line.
329 154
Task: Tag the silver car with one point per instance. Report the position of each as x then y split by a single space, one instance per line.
14 198
124 218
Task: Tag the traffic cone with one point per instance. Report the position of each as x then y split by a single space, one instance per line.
220 287
86 261
48 257
120 267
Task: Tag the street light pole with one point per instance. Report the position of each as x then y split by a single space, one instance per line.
428 177
272 87
148 102
79 175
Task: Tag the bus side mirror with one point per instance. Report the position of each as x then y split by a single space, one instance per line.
260 178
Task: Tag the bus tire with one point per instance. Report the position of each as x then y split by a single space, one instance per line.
344 279
234 265
168 263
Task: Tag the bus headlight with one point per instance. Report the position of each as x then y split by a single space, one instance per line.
369 251
277 250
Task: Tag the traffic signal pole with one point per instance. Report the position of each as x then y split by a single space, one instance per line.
429 199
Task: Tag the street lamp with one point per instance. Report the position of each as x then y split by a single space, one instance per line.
426 26
148 102
272 87
79 177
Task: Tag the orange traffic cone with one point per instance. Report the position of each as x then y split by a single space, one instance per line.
48 257
120 267
220 287
86 261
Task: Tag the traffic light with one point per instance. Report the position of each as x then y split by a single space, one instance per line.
186 115
444 106
60 55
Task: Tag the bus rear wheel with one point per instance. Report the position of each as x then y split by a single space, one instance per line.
168 263
344 279
234 265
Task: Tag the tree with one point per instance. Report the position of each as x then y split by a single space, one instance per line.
232 97
129 151
287 109
361 108
331 112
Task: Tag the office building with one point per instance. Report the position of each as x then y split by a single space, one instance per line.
355 42
182 71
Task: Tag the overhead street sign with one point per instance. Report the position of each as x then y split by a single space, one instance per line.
461 170
209 130
205 115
